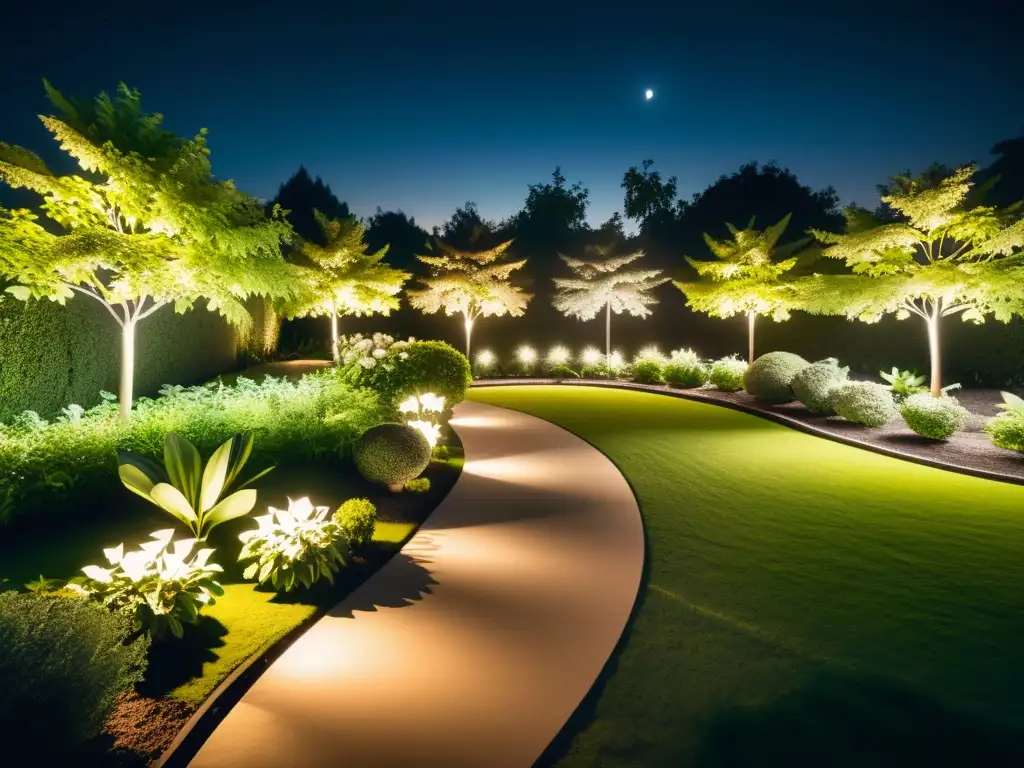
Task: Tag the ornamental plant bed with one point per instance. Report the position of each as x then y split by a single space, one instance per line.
248 620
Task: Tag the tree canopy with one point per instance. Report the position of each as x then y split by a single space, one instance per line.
300 197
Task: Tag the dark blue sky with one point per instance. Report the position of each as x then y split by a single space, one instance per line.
422 106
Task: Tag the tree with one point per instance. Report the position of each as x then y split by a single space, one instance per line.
648 199
944 259
466 228
399 233
602 283
471 284
343 278
154 229
300 197
746 278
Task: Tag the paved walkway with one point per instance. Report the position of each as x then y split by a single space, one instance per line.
474 645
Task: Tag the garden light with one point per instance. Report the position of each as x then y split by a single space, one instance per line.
592 356
527 355
485 359
559 355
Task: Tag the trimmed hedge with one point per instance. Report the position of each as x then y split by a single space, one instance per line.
770 377
864 402
936 418
813 385
52 356
391 454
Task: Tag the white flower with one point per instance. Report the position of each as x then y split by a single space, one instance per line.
367 362
428 429
379 353
409 405
403 355
432 402
364 345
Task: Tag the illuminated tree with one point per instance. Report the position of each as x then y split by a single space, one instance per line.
942 258
148 226
602 284
471 284
747 277
342 278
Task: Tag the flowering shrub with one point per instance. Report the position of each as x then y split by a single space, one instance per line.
685 369
408 368
864 402
159 585
423 414
934 417
357 351
43 462
813 384
727 373
300 545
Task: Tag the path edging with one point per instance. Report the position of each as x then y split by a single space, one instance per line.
778 418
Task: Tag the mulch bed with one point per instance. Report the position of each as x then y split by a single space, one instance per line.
968 451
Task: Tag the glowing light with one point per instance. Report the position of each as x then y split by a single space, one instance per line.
428 429
527 354
592 356
559 355
485 359
616 360
650 352
648 94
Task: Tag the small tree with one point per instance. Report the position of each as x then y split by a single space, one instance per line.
602 283
342 278
747 278
153 229
471 284
939 259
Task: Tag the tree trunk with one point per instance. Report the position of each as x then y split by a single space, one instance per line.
935 353
469 334
608 338
127 369
335 347
751 317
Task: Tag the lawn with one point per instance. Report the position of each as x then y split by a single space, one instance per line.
805 602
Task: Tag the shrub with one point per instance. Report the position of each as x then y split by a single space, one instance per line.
934 417
418 485
727 374
63 663
813 384
770 377
412 368
903 384
357 521
685 369
156 585
1007 429
864 402
391 454
43 462
562 371
300 545
647 372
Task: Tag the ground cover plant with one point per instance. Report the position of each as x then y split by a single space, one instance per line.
795 595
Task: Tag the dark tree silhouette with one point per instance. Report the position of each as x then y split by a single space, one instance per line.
467 229
400 233
1002 182
300 196
649 201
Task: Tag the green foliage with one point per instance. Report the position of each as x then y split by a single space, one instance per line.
158 585
181 487
562 371
357 521
685 369
813 384
647 372
43 585
936 418
602 282
293 547
728 373
414 368
64 661
864 402
391 454
903 384
1007 429
43 462
418 485
770 377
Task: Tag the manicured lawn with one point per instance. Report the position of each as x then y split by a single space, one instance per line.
805 603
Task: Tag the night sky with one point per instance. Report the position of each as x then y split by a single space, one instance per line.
422 106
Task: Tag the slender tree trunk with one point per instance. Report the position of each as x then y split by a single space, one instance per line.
335 347
608 338
469 334
127 369
751 317
935 352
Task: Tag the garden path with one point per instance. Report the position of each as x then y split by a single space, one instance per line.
474 645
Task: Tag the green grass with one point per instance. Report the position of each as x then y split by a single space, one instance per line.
805 602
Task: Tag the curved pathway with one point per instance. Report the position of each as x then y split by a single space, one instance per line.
474 645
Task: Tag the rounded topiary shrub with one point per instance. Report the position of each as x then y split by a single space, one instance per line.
647 372
419 367
934 417
770 377
813 385
391 454
1007 431
64 661
864 402
685 369
727 374
357 519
